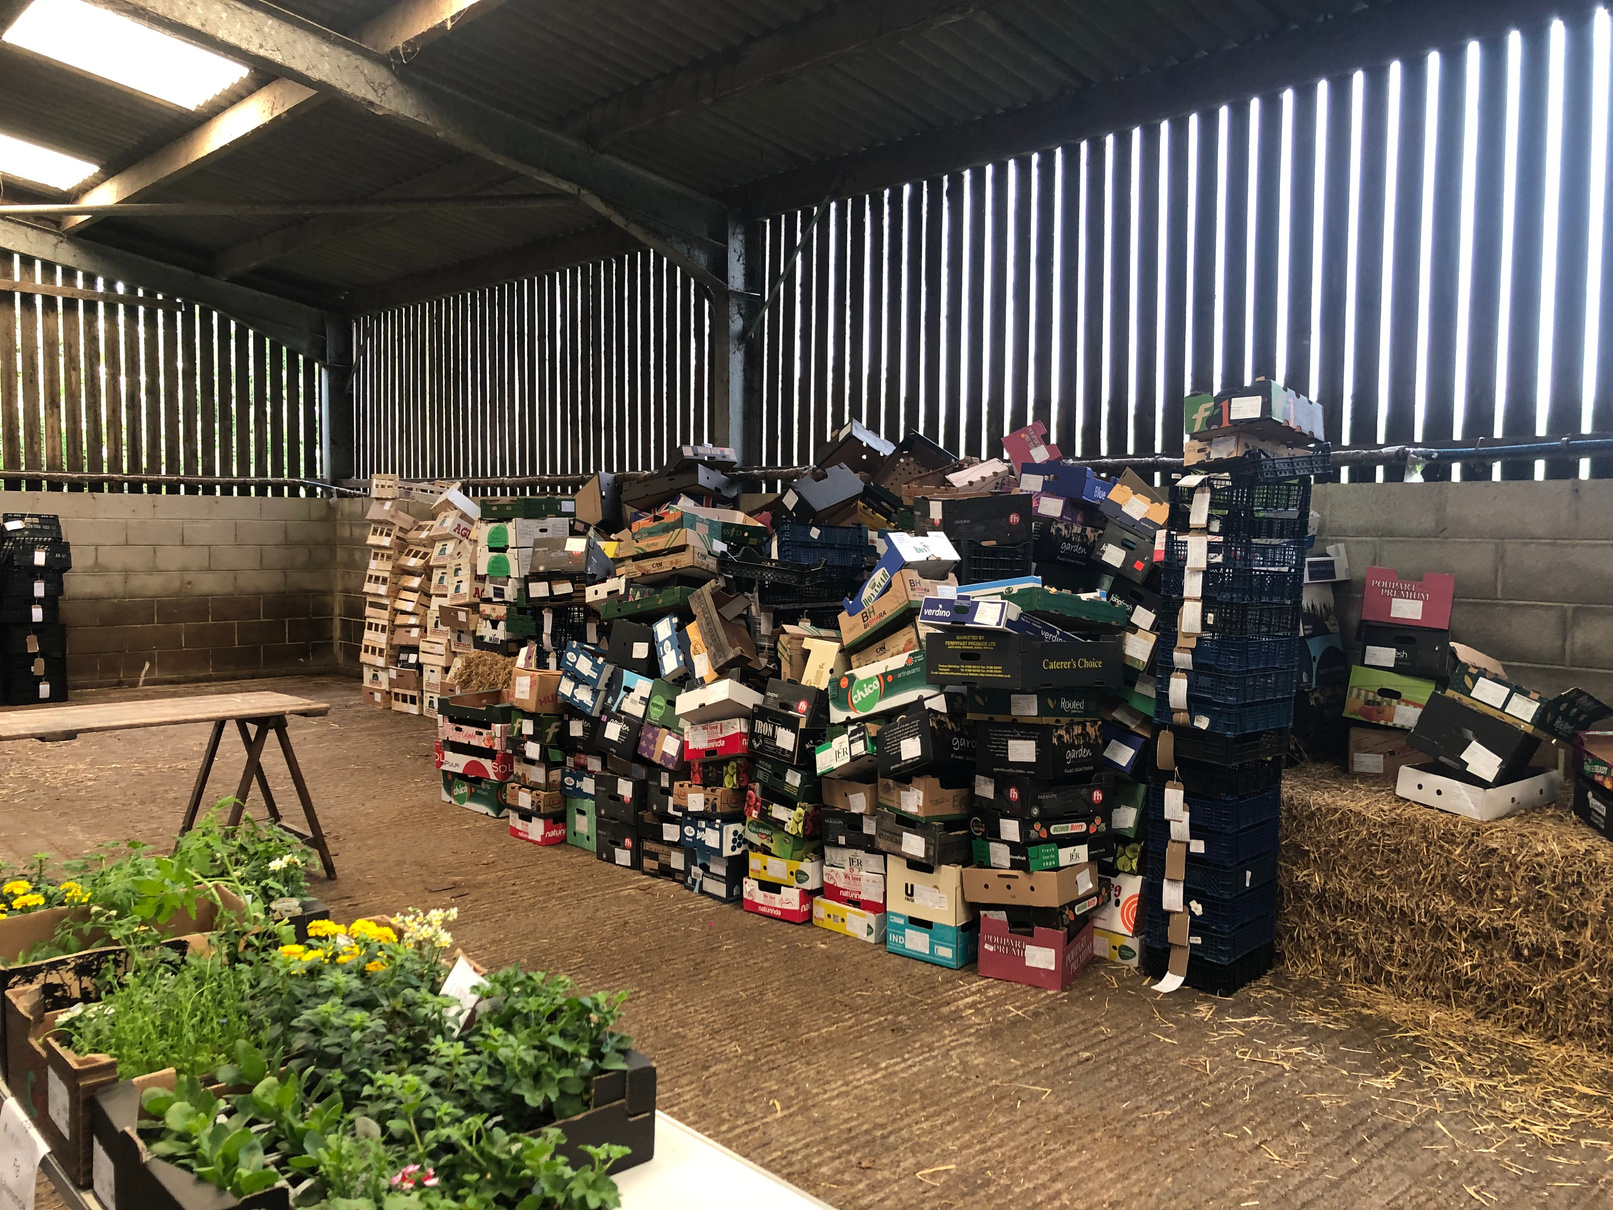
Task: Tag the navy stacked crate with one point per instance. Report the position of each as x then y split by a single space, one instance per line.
33 559
1233 572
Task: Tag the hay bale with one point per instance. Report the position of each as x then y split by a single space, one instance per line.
1511 921
481 672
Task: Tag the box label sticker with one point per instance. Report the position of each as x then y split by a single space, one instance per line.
1135 508
1195 846
1407 715
1367 762
1112 555
1244 407
1118 753
678 860
912 801
576 728
985 787
997 855
624 857
1139 646
56 1098
1031 483
624 787
1142 618
641 651
1022 751
911 748
857 802
912 845
935 510
671 833
1409 609
1124 819
1491 693
1521 707
1038 452
1023 705
1041 957
1008 829
1379 657
580 825
697 801
1050 506
869 829
101 1177
1480 761
792 777
917 940
928 897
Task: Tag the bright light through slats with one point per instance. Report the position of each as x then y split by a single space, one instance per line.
112 46
1548 250
1425 254
40 165
1600 100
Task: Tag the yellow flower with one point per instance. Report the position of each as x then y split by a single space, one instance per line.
28 901
377 965
17 887
324 928
347 956
294 951
314 956
74 893
368 930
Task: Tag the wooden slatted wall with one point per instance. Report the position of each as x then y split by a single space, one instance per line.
154 386
602 365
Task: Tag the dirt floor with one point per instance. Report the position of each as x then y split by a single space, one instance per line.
867 1079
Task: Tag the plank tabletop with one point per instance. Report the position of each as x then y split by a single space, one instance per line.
55 722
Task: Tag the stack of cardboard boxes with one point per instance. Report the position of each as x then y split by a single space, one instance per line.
33 559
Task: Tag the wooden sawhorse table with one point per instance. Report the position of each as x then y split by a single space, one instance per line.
255 715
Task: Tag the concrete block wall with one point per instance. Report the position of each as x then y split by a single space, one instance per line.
193 588
352 556
1533 565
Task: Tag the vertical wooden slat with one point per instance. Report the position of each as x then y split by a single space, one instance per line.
952 392
207 396
839 313
1301 243
1406 287
913 306
1267 201
95 394
1201 365
275 391
1146 303
1118 402
51 376
241 402
72 401
895 245
1175 224
823 294
260 407
1528 235
1092 400
997 322
1477 417
1021 287
10 403
172 424
1602 399
134 440
188 385
930 402
312 466
1335 203
1445 255
971 393
1563 408
1365 400
1235 223
1042 274
648 449
807 276
32 314
772 335
857 275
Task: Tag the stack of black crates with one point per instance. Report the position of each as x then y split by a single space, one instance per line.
33 559
1233 569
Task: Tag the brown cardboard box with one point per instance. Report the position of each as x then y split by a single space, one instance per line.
1046 888
924 797
844 794
899 642
1380 754
901 600
535 692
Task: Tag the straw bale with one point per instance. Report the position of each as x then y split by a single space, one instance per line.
1510 921
481 672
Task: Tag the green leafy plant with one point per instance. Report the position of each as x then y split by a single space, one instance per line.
221 1151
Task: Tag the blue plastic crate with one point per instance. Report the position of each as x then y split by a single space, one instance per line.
1237 619
1231 848
1228 688
1247 508
1231 720
1213 944
1248 653
1225 815
1208 878
1256 586
1239 554
1227 781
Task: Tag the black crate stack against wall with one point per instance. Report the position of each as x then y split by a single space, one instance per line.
33 560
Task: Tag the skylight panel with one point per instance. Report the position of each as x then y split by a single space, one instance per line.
124 51
40 165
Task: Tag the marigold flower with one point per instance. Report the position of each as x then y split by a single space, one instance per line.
294 951
324 928
376 965
17 887
28 901
73 893
347 956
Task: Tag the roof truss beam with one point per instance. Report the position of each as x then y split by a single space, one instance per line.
686 226
401 31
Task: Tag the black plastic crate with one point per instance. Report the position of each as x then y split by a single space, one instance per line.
1238 620
1230 720
1227 781
1318 460
1240 653
1230 749
1211 688
981 564
30 679
1209 943
43 639
45 526
29 583
1239 554
1251 586
1219 881
569 625
30 611
1220 913
835 546
1213 978
1232 848
36 553
1227 816
1248 508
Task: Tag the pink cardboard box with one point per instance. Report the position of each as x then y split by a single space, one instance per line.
1042 958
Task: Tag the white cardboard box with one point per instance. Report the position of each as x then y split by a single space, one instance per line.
1433 786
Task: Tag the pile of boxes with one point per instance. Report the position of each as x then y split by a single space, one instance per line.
1233 554
909 698
33 559
1443 721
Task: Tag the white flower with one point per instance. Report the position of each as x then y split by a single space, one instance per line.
280 863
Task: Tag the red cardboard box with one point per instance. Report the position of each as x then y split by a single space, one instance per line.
788 903
1042 958
1425 603
539 829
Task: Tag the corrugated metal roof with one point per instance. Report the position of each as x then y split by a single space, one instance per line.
551 60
